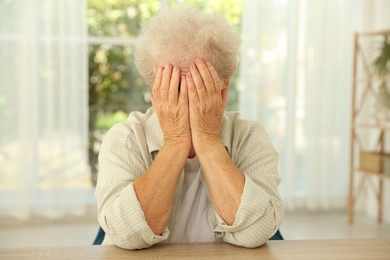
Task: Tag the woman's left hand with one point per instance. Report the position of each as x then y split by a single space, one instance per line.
207 102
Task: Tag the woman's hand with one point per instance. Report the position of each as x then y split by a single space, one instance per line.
207 96
207 102
171 106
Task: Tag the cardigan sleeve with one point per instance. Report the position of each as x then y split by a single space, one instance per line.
261 208
119 211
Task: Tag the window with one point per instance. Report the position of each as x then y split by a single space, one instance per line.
115 87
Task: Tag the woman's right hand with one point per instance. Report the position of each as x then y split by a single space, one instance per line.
171 106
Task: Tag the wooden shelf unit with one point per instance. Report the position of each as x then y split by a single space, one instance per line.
362 90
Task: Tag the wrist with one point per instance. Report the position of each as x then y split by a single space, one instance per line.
175 151
182 144
209 144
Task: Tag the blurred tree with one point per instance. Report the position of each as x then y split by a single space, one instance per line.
119 18
115 87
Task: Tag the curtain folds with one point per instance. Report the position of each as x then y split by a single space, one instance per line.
295 78
43 108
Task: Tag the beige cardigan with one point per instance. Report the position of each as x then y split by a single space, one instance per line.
129 149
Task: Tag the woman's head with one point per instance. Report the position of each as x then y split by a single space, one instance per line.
179 36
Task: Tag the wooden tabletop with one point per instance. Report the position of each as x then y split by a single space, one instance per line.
288 249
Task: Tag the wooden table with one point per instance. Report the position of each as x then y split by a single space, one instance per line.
288 249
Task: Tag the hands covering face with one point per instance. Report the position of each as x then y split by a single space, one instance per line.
195 113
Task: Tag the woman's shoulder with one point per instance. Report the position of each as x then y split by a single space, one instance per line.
234 121
243 133
140 117
134 121
135 118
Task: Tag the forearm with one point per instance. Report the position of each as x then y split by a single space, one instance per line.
261 207
249 212
259 216
155 189
224 180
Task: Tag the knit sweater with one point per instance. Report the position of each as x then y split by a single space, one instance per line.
129 149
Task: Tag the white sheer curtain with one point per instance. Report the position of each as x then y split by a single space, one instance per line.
43 108
295 72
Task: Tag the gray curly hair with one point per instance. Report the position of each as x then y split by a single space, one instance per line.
181 35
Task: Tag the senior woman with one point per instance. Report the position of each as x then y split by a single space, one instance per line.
186 171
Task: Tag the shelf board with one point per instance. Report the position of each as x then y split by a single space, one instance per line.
369 79
371 33
379 175
380 126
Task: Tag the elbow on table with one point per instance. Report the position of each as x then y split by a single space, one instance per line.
131 247
253 237
253 243
123 240
129 244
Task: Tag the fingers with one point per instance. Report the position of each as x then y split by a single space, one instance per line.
183 96
200 83
217 82
206 79
165 83
224 94
197 80
191 88
156 85
174 86
205 76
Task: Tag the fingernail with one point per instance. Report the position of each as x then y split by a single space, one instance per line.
226 84
176 68
167 66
